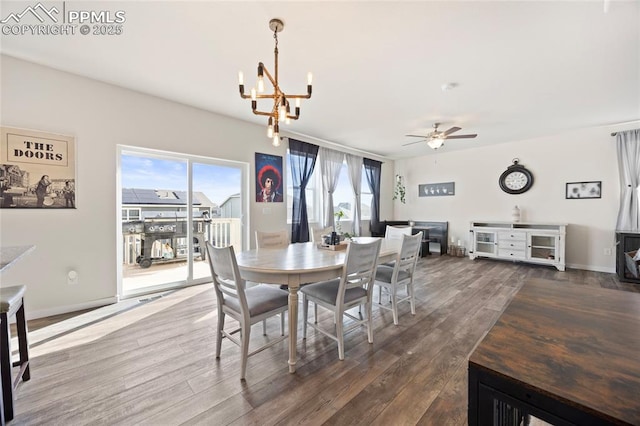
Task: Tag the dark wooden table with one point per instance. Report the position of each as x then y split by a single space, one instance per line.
567 354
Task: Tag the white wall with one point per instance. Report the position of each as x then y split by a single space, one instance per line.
102 116
583 155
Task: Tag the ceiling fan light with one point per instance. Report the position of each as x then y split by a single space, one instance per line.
435 143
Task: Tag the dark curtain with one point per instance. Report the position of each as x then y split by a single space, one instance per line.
372 170
302 158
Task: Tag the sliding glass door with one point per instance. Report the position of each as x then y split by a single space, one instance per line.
171 204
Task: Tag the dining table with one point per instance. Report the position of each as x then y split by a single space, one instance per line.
299 264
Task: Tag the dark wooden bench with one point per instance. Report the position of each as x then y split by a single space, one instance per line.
438 232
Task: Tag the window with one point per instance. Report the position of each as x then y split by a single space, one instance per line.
344 198
130 214
366 197
313 194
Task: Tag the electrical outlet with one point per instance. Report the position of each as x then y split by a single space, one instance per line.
607 251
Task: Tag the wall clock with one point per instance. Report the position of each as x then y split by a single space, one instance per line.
516 179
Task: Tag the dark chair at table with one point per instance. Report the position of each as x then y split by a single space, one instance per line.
248 306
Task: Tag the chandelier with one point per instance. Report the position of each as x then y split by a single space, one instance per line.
281 111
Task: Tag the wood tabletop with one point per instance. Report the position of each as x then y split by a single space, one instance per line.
303 257
577 344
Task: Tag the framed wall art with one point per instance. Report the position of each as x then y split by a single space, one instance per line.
583 190
268 178
437 189
37 169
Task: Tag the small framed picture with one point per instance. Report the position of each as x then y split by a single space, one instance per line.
436 189
583 190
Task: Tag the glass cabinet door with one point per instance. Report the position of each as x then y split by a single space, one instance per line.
485 243
542 247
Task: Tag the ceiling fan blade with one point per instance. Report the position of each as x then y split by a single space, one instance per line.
451 130
418 136
411 143
461 137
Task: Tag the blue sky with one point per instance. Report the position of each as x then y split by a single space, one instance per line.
217 182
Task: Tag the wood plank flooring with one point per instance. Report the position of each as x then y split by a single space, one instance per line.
152 362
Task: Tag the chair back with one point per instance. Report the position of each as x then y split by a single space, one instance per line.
396 233
228 284
317 234
408 255
359 267
277 239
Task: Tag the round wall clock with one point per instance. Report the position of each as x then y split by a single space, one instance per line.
516 179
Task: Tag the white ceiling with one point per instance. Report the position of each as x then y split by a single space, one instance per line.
524 69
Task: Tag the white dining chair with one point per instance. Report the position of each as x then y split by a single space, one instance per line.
317 233
248 306
396 233
353 288
276 239
400 275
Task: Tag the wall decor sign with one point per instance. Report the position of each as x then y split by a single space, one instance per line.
437 189
268 178
583 190
37 169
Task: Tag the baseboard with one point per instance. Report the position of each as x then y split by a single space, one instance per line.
592 268
70 308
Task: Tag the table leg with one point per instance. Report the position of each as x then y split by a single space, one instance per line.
293 326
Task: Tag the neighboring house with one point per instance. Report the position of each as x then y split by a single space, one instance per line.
137 201
231 207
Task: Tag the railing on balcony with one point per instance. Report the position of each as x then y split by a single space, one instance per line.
222 232
226 232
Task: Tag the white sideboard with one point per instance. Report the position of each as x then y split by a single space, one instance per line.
541 243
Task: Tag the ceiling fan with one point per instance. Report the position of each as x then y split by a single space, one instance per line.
436 139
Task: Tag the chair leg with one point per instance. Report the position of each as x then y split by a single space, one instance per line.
412 298
394 304
305 312
245 335
340 336
369 321
315 313
5 365
379 295
264 327
23 342
219 333
282 323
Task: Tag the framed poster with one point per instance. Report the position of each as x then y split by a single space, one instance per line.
583 190
37 169
268 178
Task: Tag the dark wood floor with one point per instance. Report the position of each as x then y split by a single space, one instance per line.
153 362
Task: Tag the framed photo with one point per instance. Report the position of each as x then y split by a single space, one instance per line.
268 178
37 170
437 189
583 190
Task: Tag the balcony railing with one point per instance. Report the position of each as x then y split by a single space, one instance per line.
222 232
